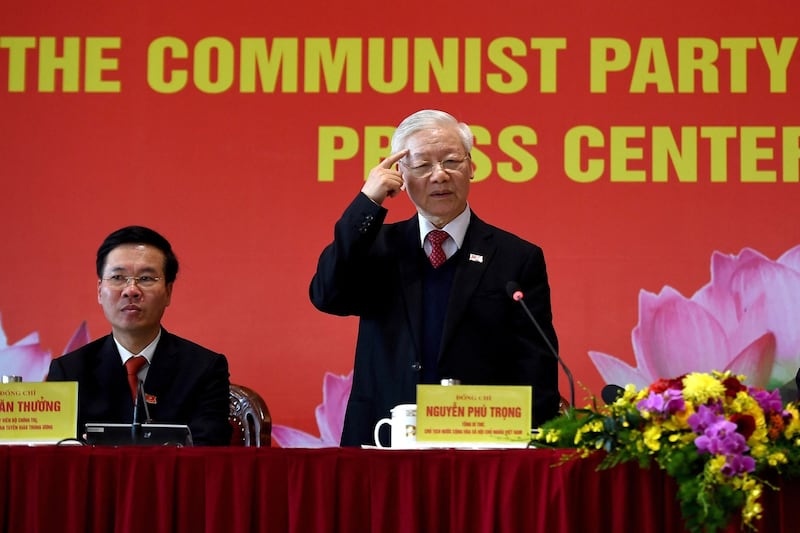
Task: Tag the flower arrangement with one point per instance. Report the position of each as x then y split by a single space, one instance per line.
718 438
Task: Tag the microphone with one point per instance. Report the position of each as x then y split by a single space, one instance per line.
134 422
135 426
611 392
516 294
140 392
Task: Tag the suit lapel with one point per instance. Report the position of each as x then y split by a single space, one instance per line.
162 372
408 259
476 254
112 384
109 372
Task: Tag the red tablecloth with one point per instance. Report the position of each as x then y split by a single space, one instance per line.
163 489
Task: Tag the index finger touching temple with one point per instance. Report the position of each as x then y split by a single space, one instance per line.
394 158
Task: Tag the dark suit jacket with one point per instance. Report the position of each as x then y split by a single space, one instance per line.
797 382
374 270
189 384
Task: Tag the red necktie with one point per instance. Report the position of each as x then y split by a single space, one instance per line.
133 365
436 238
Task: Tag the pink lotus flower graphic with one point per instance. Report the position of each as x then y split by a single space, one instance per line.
746 320
28 359
330 417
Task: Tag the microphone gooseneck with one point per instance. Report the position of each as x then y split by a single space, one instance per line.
135 421
140 393
516 294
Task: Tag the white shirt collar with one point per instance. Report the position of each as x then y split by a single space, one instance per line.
456 228
147 353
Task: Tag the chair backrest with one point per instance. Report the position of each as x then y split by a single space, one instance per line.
250 418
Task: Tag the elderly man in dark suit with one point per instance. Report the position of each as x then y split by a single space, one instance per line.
433 305
183 383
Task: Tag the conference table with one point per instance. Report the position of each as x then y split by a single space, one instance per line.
171 489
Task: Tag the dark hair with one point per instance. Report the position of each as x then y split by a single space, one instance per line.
138 235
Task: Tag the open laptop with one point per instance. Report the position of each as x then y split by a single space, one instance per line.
107 434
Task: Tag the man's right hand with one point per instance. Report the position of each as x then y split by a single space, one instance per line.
384 180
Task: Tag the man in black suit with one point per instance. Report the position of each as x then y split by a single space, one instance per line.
421 323
184 383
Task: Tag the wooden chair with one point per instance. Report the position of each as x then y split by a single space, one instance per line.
250 418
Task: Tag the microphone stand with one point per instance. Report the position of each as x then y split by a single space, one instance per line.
140 392
515 291
136 427
135 423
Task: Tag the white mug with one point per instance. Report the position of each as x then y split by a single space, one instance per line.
404 427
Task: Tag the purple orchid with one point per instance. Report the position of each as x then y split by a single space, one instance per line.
673 401
770 402
704 418
653 403
667 403
719 436
28 359
330 417
745 320
738 464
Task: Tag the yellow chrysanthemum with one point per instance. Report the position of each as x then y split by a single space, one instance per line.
652 436
777 458
758 441
715 464
677 422
793 427
759 451
746 404
699 388
632 394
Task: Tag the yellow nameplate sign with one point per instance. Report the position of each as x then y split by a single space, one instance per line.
38 412
474 413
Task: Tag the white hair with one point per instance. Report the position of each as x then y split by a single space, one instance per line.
426 119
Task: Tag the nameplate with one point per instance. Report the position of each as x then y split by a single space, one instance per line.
38 412
474 413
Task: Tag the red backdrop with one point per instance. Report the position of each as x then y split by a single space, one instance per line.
160 114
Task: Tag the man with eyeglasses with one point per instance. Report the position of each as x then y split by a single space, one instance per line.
430 291
183 383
